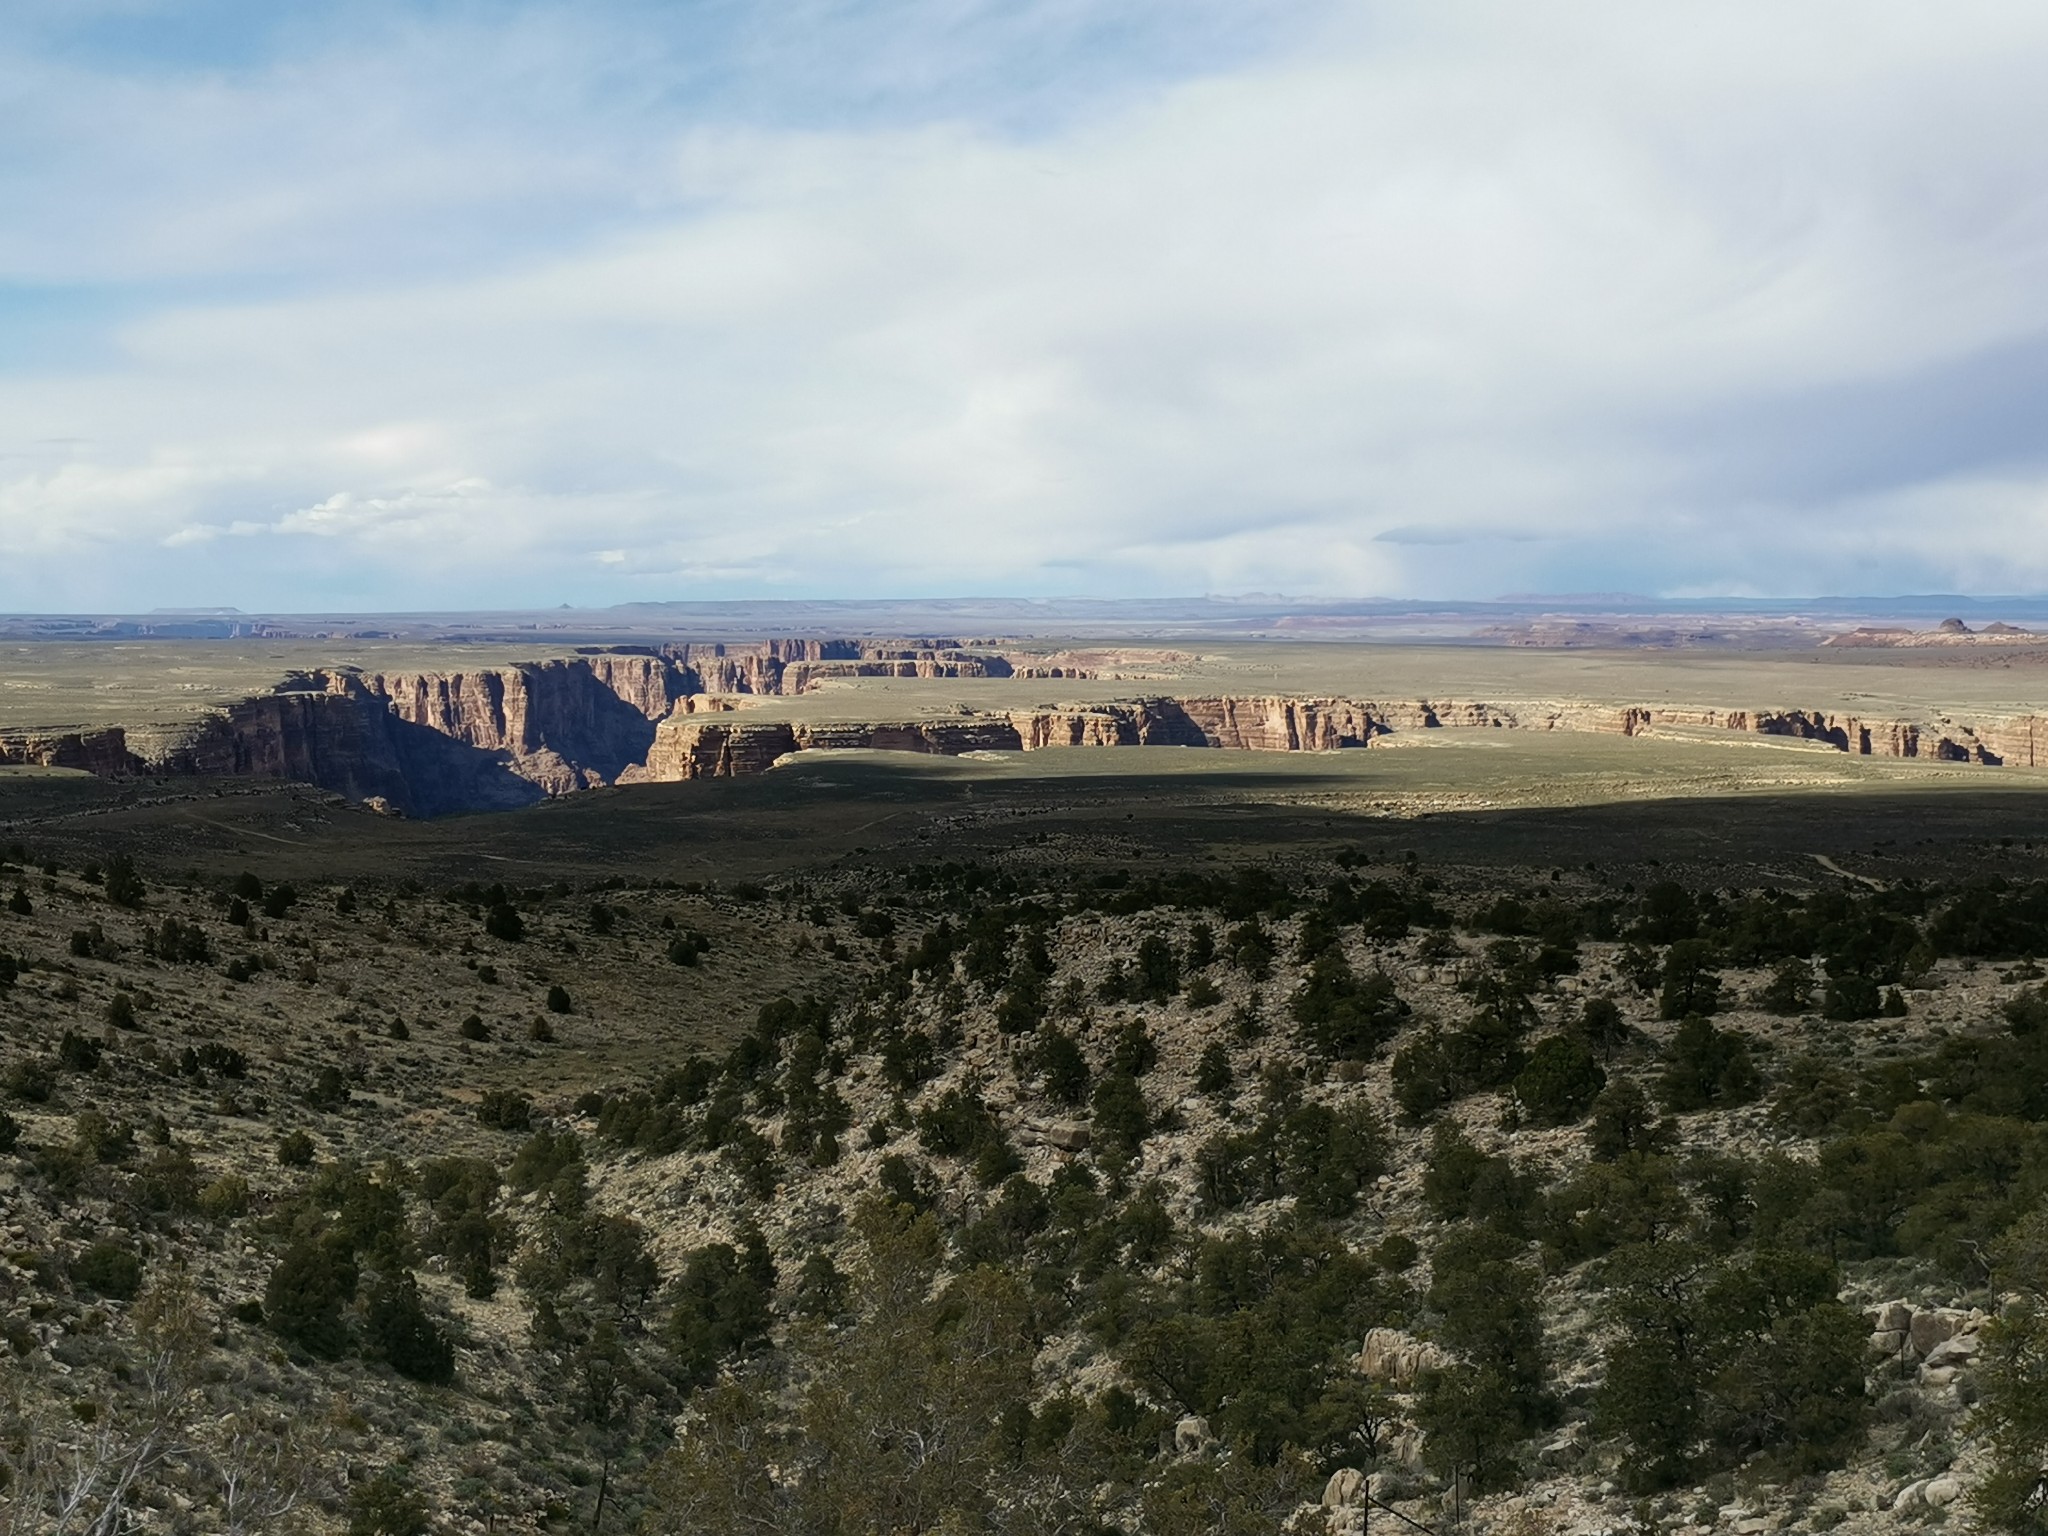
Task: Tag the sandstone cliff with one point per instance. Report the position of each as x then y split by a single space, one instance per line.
432 743
689 746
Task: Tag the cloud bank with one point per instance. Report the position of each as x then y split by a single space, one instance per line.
453 308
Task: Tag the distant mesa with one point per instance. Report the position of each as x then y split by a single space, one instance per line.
1948 632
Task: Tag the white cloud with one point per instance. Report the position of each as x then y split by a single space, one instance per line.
1478 298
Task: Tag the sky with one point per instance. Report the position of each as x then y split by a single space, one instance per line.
407 304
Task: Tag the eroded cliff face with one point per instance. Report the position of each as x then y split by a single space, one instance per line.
433 743
693 746
788 667
104 752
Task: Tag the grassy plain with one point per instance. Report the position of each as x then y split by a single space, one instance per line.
50 685
1472 796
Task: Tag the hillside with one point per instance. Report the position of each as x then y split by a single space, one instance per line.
999 1196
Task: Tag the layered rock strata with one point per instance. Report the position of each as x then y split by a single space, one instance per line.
689 747
487 738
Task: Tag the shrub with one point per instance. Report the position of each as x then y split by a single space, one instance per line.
1625 1121
558 999
1707 1066
387 1505
540 1030
177 943
170 1181
1605 1030
1133 1051
544 1158
226 1197
101 1139
1690 984
307 1291
121 1012
959 1124
109 1269
77 1053
10 1132
820 1287
502 1109
1850 995
473 1028
328 1090
1213 1072
1424 1080
397 1329
1560 1082
904 1182
31 1080
124 886
1343 1017
1121 1119
504 922
1790 989
295 1149
221 1060
721 1305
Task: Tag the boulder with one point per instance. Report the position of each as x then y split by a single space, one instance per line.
1191 1436
1935 1327
1395 1358
1406 1449
1345 1488
1563 1448
1953 1353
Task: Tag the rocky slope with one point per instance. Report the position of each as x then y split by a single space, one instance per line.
563 1196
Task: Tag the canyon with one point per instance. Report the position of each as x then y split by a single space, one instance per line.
428 743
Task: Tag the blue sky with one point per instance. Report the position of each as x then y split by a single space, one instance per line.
387 305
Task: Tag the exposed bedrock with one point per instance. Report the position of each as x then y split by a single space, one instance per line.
433 743
688 746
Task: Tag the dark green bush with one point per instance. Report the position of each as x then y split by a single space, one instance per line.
78 1053
1560 1081
307 1293
504 1109
108 1268
398 1331
721 1305
1705 1066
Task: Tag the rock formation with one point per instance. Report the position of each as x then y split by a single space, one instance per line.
431 743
